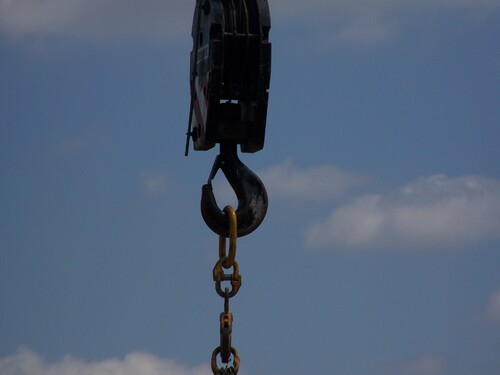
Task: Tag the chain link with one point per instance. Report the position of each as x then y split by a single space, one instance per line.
227 261
226 329
228 370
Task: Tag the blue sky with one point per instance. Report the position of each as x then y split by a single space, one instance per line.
380 251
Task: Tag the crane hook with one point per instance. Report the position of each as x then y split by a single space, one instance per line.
249 189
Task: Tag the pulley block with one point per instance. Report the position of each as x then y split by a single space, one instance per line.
230 74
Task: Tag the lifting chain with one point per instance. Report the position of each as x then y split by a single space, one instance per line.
227 261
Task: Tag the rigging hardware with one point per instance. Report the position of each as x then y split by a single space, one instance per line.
226 317
230 70
249 189
230 74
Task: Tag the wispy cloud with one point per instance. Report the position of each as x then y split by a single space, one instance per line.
26 362
363 21
428 365
80 143
299 9
153 183
431 212
493 308
97 19
317 183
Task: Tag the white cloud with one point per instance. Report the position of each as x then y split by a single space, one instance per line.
26 362
427 365
80 143
327 8
493 308
97 19
431 212
319 183
363 21
154 183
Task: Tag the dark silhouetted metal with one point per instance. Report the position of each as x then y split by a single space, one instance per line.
249 189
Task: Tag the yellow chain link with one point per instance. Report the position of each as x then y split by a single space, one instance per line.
236 362
228 260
